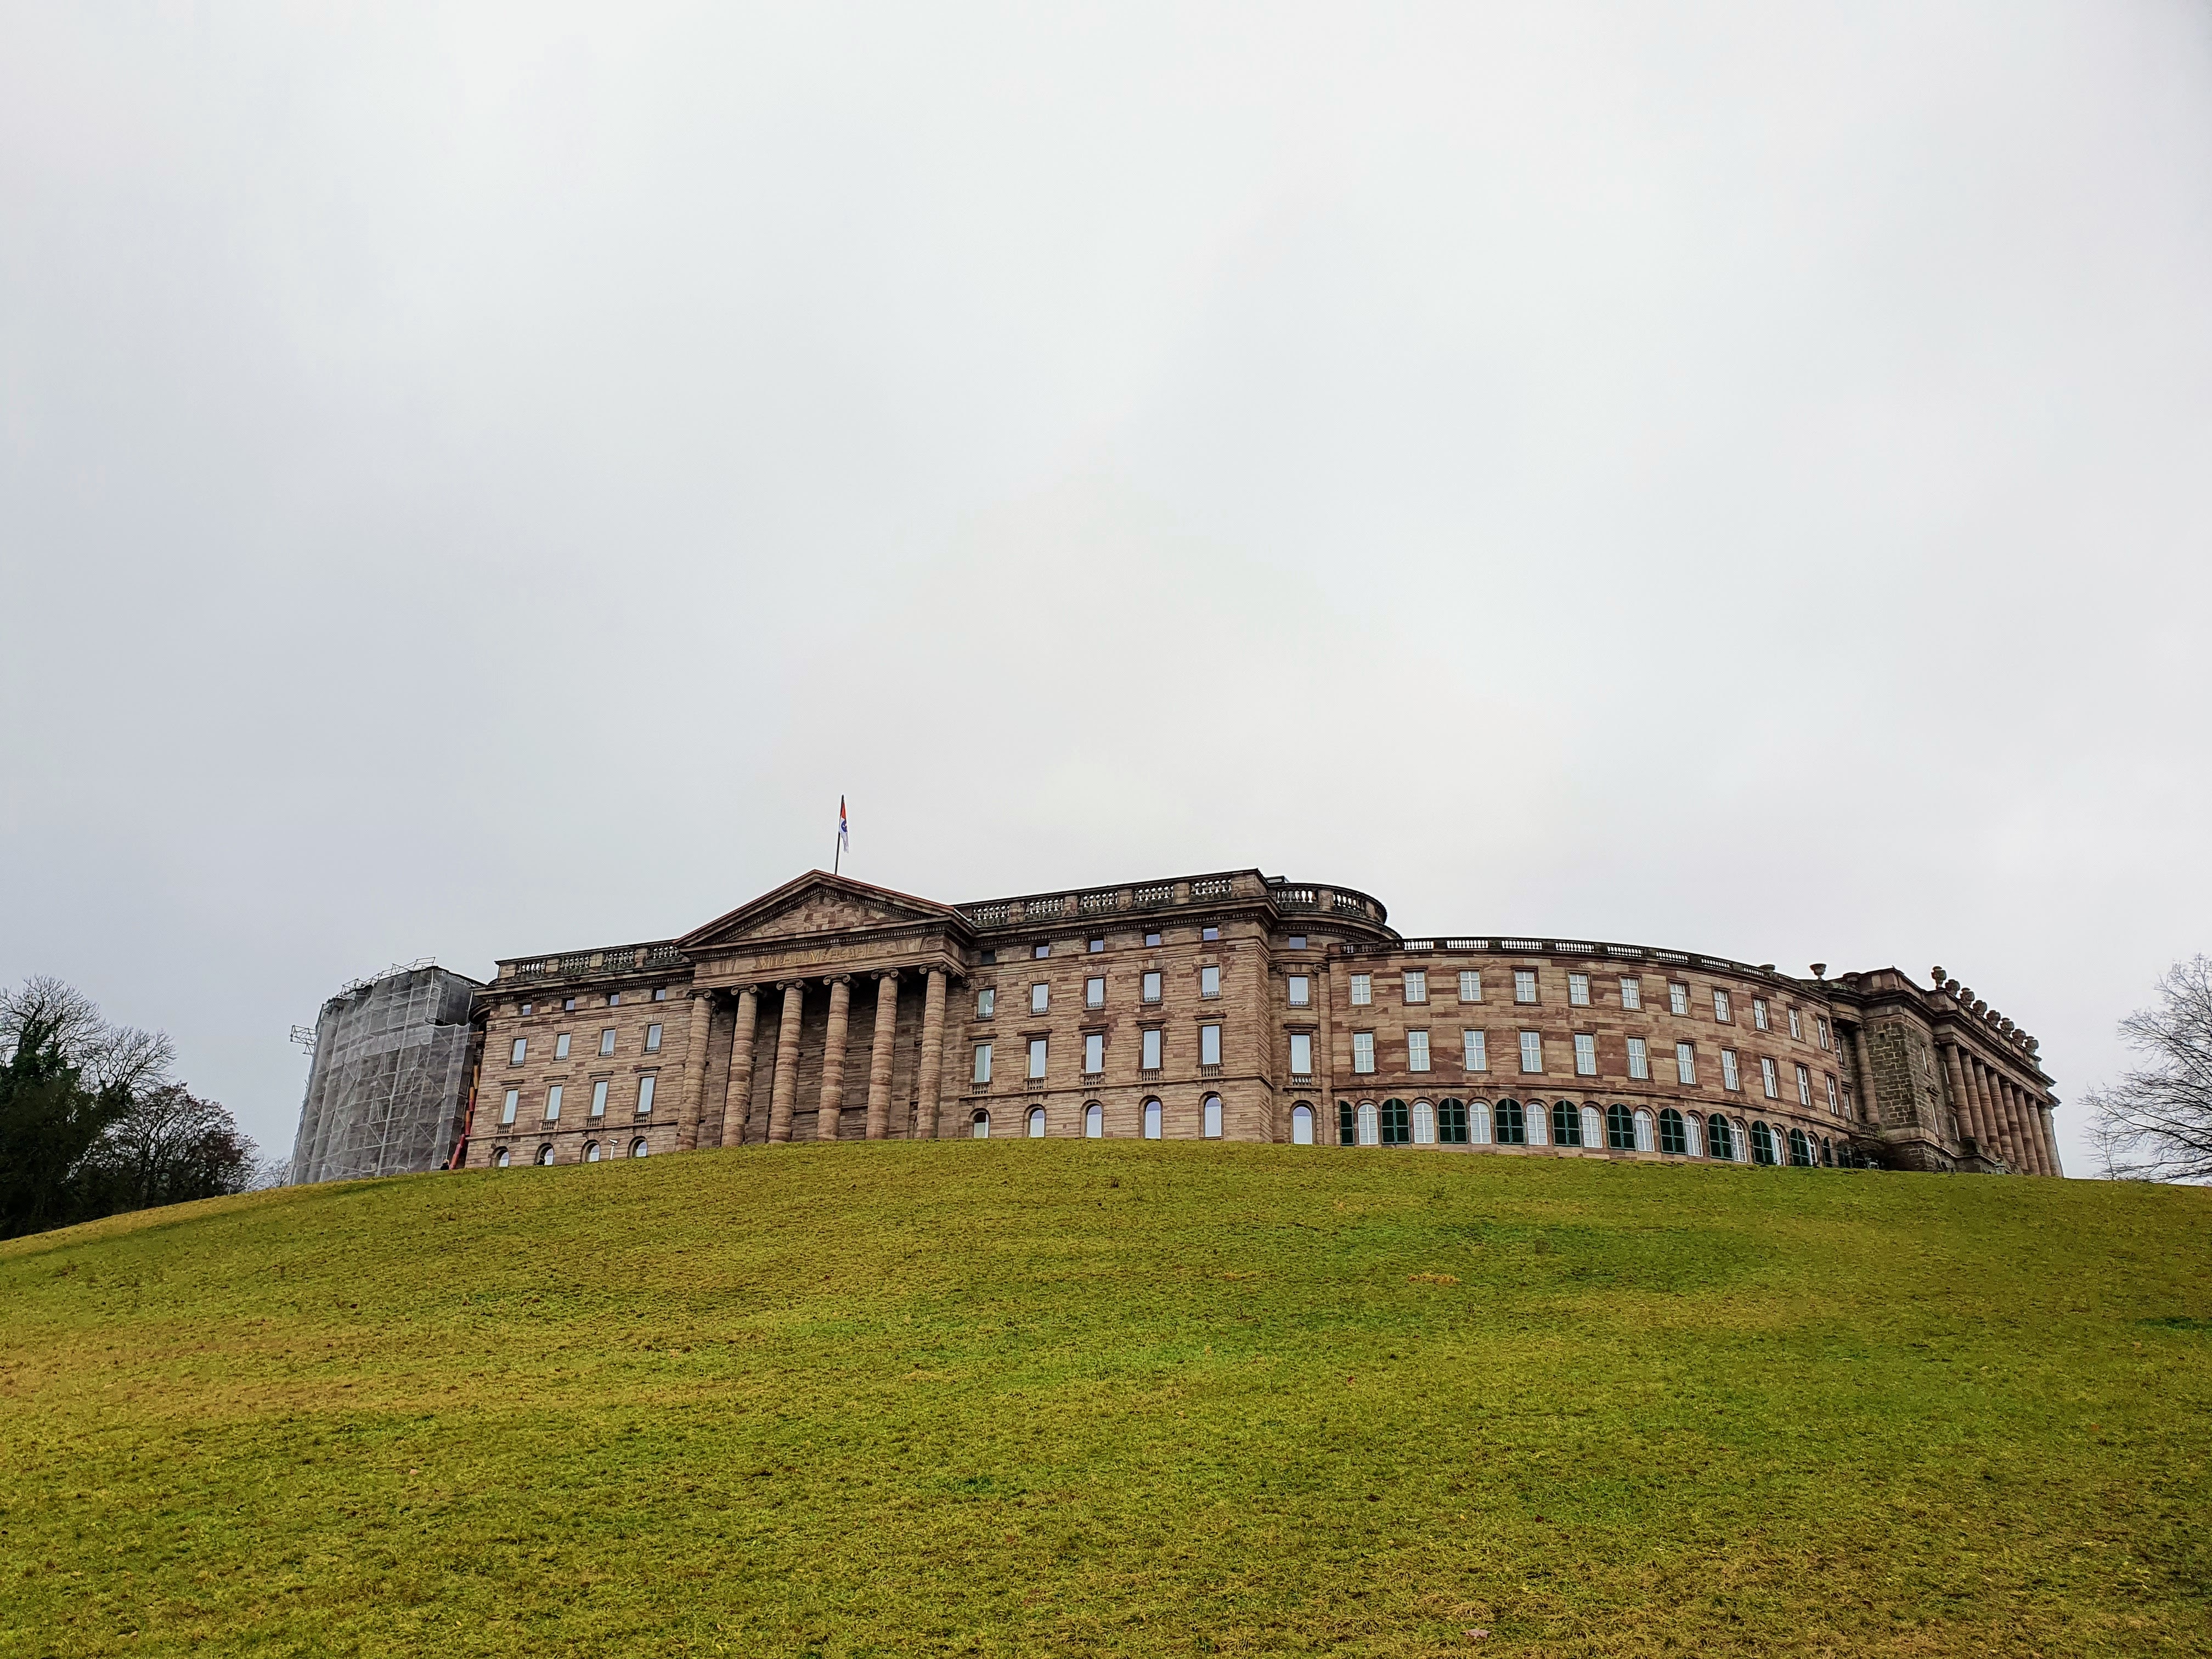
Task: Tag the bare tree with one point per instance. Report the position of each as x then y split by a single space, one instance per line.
2156 1124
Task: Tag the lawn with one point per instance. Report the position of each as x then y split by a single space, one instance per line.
1085 1398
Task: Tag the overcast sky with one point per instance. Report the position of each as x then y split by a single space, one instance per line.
478 482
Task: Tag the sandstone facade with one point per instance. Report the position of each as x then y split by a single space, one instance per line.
1238 1006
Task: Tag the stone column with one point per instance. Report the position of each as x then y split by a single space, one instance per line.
932 1053
695 1072
2031 1131
1955 1073
737 1098
879 1056
2006 1148
1869 1107
832 1057
784 1095
2051 1138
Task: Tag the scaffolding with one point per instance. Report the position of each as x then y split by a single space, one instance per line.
388 1085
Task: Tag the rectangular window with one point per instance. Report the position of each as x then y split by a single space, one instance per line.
1152 986
1532 1052
1152 1047
508 1106
1301 1054
1632 994
986 1002
1470 985
652 1039
1036 1056
1041 952
561 1047
660 993
1768 1080
1759 1017
528 1007
1151 936
1209 934
568 1005
1822 1026
1039 998
1097 945
607 1041
1524 985
600 1098
1720 1004
1094 991
1301 991
1678 998
1639 1060
1363 1051
1209 1045
1297 941
1686 1065
1475 1052
982 1062
645 1085
553 1103
1804 1087
1416 985
521 1047
614 999
1578 990
1094 1053
1362 990
1585 1055
1796 1026
1728 1078
1209 982
1835 1105
1416 1051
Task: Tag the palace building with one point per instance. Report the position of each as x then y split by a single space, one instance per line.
1234 1007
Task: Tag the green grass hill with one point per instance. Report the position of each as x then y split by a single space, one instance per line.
1085 1398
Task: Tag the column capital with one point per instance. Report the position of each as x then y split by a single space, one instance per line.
837 979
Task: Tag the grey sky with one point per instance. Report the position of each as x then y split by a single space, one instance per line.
1737 477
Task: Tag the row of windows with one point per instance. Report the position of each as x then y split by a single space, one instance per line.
1096 943
1152 1044
1415 988
1570 1123
607 1038
593 1153
1152 1121
659 994
1475 1056
1094 991
600 1088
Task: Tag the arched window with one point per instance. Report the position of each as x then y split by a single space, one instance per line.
1593 1126
1094 1121
980 1125
1425 1124
1036 1123
1452 1122
1512 1130
1672 1140
1693 1131
499 1158
1762 1145
1620 1129
1566 1124
1800 1153
590 1151
1535 1120
1827 1153
1478 1128
1643 1131
1209 1117
1152 1124
1369 1133
1301 1126
1717 1131
1395 1130
638 1148
544 1156
1346 1135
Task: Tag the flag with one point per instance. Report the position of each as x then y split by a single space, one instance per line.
844 833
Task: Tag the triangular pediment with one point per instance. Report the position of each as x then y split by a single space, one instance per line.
814 904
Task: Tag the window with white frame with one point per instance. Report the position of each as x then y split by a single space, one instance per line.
1804 1087
1094 991
1585 1054
1424 1123
1835 1101
645 1085
506 1107
1631 993
1363 1051
1524 985
553 1103
1470 985
1036 1056
1416 985
980 1125
600 1098
1474 1051
1301 991
1685 1064
1209 1045
1767 1079
986 1002
1039 998
1301 1054
1209 980
1822 1026
607 1041
1578 990
1036 1123
1094 1053
982 1062
1678 998
1209 1117
1152 1123
1094 1121
1209 932
1362 990
545 1158
1720 1004
1759 1017
1639 1058
1150 1058
1796 1025
1151 988
1729 1077
1416 1051
1532 1051
499 1158
652 1039
561 1046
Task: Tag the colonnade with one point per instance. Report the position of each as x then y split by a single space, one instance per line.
732 1118
2002 1117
